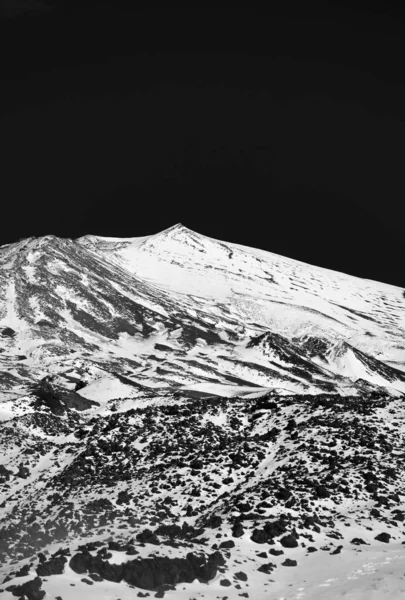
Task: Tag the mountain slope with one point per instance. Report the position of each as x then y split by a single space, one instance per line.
180 415
282 294
179 309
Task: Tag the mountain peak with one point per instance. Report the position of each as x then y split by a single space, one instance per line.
178 228
177 233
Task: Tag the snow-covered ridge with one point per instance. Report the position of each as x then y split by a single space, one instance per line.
287 296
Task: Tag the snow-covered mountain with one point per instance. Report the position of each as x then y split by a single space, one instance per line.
179 309
171 390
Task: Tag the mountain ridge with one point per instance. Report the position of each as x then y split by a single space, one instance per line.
71 284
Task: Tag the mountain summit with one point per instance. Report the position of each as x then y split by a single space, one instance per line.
174 409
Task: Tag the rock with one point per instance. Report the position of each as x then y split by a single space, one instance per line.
4 474
337 550
289 541
30 589
225 582
357 541
227 480
7 332
23 471
112 545
237 530
54 566
241 576
283 494
88 581
213 522
124 497
23 572
383 537
267 568
227 544
275 552
147 537
151 573
321 491
275 529
80 563
289 563
312 549
259 536
244 507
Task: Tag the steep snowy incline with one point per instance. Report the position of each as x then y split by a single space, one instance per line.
281 294
60 303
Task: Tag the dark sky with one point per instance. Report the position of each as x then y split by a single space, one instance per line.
284 132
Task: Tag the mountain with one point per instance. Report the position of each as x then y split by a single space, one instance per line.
174 406
178 309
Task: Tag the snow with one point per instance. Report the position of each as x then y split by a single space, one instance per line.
191 264
11 318
225 391
377 574
107 388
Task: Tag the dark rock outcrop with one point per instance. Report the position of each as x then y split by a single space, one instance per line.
289 541
383 537
151 573
54 566
289 562
30 589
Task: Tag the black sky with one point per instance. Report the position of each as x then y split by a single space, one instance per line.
283 132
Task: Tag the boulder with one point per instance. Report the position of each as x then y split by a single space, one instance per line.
357 541
237 530
147 537
289 563
267 568
383 537
227 544
275 552
30 589
54 566
259 536
289 541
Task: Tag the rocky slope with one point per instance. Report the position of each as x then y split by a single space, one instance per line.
188 418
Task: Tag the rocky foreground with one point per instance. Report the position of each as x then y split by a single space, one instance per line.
176 496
